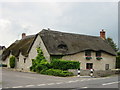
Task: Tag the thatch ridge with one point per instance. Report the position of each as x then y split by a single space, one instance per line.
75 43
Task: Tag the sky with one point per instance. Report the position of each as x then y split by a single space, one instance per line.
74 17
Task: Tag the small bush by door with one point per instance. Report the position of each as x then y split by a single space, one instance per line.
12 62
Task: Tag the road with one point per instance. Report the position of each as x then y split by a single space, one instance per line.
14 79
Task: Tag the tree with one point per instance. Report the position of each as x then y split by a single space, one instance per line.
112 44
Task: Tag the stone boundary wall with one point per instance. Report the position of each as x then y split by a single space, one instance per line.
97 73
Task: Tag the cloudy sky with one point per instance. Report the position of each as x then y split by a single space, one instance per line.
73 17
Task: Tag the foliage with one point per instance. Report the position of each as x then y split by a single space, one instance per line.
57 72
40 65
12 62
64 64
40 62
112 44
98 58
118 61
88 57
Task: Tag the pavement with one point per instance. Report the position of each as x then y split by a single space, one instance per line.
15 79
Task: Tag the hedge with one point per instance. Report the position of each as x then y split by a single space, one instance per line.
57 72
64 64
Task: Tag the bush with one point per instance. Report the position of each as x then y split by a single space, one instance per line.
12 62
64 64
118 62
56 72
40 65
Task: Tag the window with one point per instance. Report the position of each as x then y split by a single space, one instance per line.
106 66
62 47
18 59
24 60
89 65
87 53
98 53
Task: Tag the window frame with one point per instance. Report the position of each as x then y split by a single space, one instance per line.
88 52
98 53
24 60
89 65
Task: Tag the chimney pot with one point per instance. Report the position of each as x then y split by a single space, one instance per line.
23 35
102 34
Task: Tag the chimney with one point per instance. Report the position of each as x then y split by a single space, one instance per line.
102 34
23 35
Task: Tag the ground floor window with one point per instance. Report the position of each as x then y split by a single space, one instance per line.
106 66
89 65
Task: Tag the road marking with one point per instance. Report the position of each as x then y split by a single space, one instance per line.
41 84
25 77
76 80
50 83
83 80
17 87
59 83
6 87
29 85
84 87
110 83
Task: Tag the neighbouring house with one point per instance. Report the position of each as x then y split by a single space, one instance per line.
92 51
2 48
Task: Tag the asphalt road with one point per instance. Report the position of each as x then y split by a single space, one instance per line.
13 79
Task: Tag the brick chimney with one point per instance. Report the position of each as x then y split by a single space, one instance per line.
23 35
102 34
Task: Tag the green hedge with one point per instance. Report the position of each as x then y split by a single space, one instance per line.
57 72
64 64
12 62
118 62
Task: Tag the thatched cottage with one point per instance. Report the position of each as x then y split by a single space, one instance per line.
92 51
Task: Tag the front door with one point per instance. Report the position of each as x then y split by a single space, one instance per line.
89 65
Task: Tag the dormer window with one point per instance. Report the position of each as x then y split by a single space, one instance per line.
62 47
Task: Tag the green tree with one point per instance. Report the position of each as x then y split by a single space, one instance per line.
12 62
112 44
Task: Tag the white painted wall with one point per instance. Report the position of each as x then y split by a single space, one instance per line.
97 64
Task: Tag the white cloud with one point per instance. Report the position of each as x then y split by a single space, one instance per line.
87 18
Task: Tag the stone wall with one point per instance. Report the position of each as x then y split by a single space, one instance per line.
97 73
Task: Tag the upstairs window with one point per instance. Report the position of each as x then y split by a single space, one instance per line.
98 54
62 47
87 53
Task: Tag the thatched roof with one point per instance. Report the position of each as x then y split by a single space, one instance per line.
59 43
19 46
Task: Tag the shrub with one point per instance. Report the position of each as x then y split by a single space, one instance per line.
56 72
88 57
64 64
12 62
118 62
98 58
